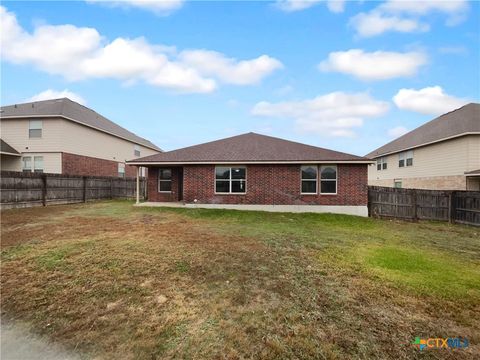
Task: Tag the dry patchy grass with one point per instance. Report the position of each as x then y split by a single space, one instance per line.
112 281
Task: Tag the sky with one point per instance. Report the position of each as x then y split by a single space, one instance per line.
345 75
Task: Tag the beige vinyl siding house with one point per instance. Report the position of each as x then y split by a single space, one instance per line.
63 144
438 155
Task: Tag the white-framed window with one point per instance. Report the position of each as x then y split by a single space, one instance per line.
397 183
38 164
35 129
309 179
328 179
405 158
121 170
382 164
165 180
230 180
27 164
136 150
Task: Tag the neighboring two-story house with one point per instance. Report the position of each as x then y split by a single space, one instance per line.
443 154
63 137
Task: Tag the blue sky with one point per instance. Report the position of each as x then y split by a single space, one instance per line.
348 76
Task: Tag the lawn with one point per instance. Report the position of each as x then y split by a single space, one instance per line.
112 281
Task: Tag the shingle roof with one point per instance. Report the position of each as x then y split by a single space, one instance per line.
473 172
69 109
249 147
461 121
5 148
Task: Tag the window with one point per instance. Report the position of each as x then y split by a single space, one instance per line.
136 150
230 180
309 179
27 164
405 159
121 170
397 183
165 180
35 129
38 163
328 179
409 157
382 164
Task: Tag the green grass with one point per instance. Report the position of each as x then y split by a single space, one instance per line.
144 283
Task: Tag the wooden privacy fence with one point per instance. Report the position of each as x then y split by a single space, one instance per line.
37 189
417 204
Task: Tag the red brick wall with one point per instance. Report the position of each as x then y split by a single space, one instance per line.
89 166
266 184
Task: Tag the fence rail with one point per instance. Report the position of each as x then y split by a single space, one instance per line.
36 189
417 204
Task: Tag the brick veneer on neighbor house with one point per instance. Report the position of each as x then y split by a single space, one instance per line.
89 166
269 184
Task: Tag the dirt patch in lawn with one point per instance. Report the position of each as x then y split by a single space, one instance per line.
155 284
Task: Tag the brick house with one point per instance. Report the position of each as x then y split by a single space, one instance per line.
63 137
259 172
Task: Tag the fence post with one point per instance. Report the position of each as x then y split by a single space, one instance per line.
44 189
414 204
451 207
84 188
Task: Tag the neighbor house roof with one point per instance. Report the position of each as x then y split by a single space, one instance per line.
463 121
473 173
73 111
7 149
249 148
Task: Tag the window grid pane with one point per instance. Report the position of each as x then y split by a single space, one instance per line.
309 186
328 187
165 174
222 186
35 133
165 186
238 186
309 173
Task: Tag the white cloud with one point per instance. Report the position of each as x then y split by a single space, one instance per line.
53 94
397 131
159 7
376 23
425 6
333 114
335 6
82 53
406 16
430 100
229 70
378 65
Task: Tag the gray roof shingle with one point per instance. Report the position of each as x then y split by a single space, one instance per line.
70 109
5 148
249 147
460 121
